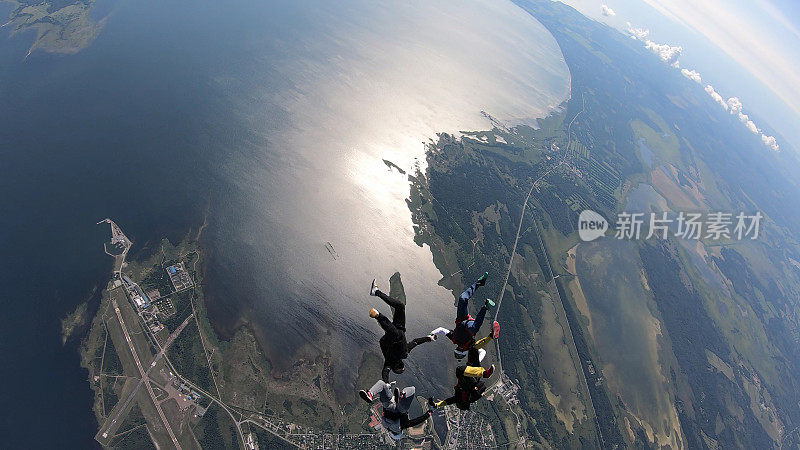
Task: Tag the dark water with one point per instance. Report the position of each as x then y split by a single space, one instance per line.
114 131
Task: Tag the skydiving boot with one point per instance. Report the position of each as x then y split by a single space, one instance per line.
488 372
495 333
374 288
482 279
365 395
489 303
373 313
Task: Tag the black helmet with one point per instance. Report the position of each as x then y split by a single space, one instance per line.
398 367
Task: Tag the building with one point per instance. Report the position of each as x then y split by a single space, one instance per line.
179 277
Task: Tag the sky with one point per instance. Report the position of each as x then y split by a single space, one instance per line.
744 48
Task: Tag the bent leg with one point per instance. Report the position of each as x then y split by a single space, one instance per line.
399 317
383 389
406 399
463 301
377 388
476 324
387 325
391 301
399 309
473 357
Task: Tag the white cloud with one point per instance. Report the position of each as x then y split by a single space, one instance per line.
671 55
769 141
608 12
735 105
666 52
759 36
715 96
749 124
637 33
692 75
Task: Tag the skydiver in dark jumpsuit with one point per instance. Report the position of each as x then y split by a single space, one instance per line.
393 344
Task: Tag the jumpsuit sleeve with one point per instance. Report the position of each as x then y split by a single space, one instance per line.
405 423
385 373
441 331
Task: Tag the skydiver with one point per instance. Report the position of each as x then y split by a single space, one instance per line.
396 404
470 386
466 326
393 343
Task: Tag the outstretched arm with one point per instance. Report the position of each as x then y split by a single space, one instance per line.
410 345
406 423
385 373
445 402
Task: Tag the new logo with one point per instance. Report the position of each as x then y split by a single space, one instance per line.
591 225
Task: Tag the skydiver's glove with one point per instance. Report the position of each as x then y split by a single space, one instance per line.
441 331
431 404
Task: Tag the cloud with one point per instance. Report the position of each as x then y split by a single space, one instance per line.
608 12
666 52
759 35
637 33
770 142
671 54
749 124
692 75
734 106
715 96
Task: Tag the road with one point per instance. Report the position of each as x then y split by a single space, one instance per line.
144 374
547 259
522 217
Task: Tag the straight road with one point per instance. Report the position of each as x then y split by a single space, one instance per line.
550 269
